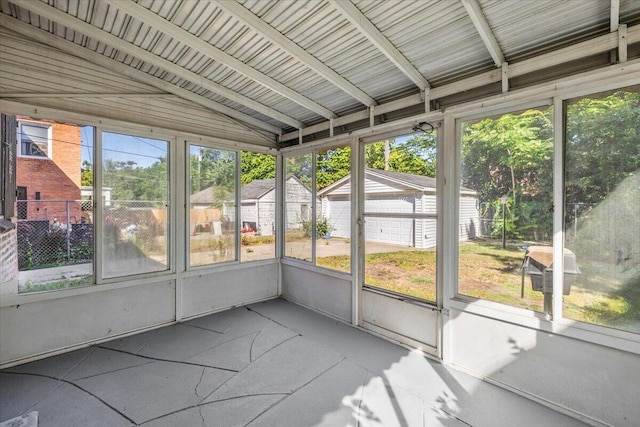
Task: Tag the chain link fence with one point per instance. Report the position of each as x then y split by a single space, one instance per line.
54 233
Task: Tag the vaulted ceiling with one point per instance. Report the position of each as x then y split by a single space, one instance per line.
309 68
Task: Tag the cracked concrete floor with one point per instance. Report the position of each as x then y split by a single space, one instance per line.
267 364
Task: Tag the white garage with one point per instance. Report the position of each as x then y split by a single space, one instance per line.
388 193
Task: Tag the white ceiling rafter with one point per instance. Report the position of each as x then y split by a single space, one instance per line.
615 15
44 37
486 34
274 36
76 24
550 59
366 28
167 27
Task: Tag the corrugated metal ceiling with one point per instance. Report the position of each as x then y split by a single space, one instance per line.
438 38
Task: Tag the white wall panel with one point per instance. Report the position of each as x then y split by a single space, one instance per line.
324 293
224 289
45 326
469 218
403 319
597 381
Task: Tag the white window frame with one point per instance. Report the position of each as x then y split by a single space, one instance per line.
313 149
437 129
525 99
237 209
49 127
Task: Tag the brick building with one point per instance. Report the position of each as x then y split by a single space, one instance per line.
48 171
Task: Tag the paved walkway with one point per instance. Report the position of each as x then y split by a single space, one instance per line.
268 364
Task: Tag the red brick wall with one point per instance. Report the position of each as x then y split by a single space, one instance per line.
57 178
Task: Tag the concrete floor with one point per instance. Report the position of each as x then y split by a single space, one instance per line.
268 364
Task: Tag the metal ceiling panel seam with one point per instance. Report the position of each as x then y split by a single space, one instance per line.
278 38
199 48
282 40
533 25
68 20
249 47
319 30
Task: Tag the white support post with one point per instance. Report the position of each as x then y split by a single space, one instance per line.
622 43
280 216
426 97
331 128
558 208
505 77
357 229
615 15
300 136
98 202
179 214
448 156
371 116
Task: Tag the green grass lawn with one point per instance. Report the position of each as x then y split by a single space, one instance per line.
601 295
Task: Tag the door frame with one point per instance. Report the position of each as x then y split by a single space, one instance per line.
386 313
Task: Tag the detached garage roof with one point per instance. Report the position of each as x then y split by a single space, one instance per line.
295 71
406 180
251 191
257 188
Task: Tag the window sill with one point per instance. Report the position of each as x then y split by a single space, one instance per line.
595 334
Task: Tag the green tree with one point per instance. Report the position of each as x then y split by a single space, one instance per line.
602 145
86 174
511 156
256 166
128 181
416 155
332 165
215 169
300 167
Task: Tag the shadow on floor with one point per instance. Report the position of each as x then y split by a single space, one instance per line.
267 364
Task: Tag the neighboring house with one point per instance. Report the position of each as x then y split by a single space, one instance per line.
48 170
298 204
86 194
396 192
258 202
259 206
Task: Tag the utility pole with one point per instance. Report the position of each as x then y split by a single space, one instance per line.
503 199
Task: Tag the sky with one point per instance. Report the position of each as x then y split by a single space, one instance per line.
120 147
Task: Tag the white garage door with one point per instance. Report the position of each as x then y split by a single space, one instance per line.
397 231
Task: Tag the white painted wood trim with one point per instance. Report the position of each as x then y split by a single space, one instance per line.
570 53
484 30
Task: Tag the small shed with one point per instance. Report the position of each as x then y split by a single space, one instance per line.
259 205
258 201
396 192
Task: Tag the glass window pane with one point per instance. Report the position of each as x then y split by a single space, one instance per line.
298 207
506 208
135 195
333 216
34 139
54 208
401 215
212 201
258 213
602 208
